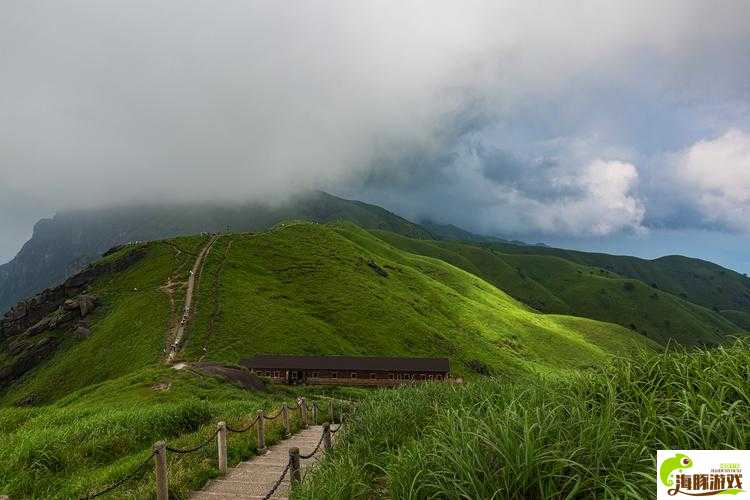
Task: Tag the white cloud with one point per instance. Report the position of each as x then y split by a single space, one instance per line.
715 176
593 198
606 203
106 102
600 201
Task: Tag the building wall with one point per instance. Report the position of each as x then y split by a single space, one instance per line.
360 378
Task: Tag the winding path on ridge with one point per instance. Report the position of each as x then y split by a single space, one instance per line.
188 310
253 479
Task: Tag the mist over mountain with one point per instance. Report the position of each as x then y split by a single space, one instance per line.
540 122
66 243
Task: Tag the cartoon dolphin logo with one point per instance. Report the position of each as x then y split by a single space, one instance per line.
679 461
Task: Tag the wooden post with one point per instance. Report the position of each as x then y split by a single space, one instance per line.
222 436
315 412
285 414
327 436
160 466
295 476
261 432
303 412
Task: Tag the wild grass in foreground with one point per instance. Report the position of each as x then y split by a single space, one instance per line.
592 435
93 438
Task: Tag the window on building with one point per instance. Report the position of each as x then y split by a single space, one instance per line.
354 375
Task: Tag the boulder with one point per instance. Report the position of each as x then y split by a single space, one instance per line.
19 312
82 332
40 326
86 303
60 318
71 305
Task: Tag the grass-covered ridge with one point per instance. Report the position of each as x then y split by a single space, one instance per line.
314 289
589 435
551 283
319 289
128 329
698 281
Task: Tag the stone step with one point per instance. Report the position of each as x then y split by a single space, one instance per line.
253 479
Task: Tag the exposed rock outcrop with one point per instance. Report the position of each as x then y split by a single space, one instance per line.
31 331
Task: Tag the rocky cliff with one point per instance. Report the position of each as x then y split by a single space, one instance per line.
34 328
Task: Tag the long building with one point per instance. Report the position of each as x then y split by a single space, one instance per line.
348 370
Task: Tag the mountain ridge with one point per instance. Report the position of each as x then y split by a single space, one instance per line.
306 289
64 244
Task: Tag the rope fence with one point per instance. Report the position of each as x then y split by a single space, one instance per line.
160 449
195 448
278 482
295 456
137 473
245 429
317 446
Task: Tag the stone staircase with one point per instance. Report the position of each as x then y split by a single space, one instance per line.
253 479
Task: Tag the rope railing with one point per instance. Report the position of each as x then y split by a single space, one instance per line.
278 414
295 456
278 481
160 448
317 446
245 429
137 473
195 448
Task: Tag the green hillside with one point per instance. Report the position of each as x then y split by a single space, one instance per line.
64 244
553 284
88 414
315 289
698 281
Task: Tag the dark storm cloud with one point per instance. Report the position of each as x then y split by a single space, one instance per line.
521 117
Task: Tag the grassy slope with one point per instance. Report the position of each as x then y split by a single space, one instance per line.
92 437
308 289
128 331
80 236
304 288
698 281
552 284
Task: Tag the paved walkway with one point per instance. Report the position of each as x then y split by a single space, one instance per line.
255 478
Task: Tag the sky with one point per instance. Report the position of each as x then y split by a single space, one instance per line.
605 125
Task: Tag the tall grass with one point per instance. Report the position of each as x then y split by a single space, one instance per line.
70 452
591 435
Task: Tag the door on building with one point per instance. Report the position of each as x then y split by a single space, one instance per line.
296 377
